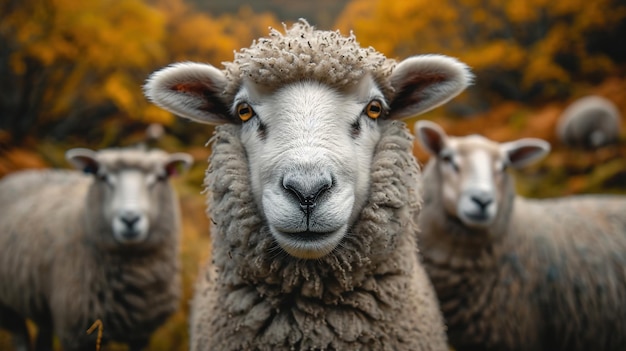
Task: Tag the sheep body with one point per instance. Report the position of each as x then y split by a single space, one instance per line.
589 122
545 275
374 297
312 190
61 267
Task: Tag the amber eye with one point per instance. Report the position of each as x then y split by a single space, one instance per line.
244 111
374 109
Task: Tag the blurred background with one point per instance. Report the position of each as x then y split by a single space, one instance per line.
71 74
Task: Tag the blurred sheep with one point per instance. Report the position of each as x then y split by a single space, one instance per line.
589 122
513 273
78 247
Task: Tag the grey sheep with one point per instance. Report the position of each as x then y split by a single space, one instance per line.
75 248
513 273
589 122
312 189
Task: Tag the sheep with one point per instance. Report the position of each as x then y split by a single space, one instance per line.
311 188
75 248
589 122
513 273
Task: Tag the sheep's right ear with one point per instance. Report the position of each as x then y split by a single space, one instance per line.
525 151
83 159
430 136
190 90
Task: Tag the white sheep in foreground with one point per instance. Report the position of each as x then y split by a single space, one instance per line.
513 273
78 247
312 189
589 122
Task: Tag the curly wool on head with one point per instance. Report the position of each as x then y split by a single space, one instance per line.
303 52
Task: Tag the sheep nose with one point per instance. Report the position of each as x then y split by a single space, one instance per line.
307 188
129 219
482 199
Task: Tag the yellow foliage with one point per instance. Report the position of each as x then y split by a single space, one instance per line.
497 53
154 114
525 37
196 36
116 87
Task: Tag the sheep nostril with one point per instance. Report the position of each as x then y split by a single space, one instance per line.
307 190
129 219
482 201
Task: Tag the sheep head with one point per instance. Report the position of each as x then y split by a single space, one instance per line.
127 187
472 170
310 105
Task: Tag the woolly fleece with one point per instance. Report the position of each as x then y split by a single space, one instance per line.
589 122
304 52
60 266
549 275
370 293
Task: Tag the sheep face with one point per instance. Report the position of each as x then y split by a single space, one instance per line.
309 143
310 148
128 185
472 170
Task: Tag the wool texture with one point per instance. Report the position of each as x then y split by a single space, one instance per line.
60 266
370 293
548 275
303 52
589 122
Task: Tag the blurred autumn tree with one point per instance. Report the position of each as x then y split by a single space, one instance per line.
75 68
321 13
65 62
197 36
520 50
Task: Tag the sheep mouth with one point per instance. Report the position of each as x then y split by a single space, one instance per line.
476 219
308 244
309 236
130 236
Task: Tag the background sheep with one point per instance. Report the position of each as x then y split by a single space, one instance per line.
312 188
589 122
75 248
513 273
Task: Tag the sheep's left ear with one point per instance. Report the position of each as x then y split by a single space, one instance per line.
83 159
178 163
424 82
525 151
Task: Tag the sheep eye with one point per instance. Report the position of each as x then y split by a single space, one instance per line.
245 111
448 159
374 109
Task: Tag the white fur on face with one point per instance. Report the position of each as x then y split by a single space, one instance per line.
472 174
128 205
310 149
